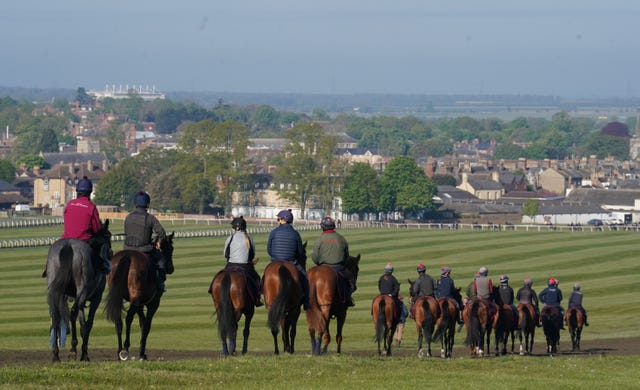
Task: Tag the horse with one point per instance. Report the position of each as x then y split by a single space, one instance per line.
527 325
71 273
326 301
231 300
551 324
427 312
446 330
385 321
282 297
575 322
133 278
479 321
505 327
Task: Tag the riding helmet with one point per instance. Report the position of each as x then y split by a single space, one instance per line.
239 224
388 269
84 185
504 279
421 268
576 287
327 223
141 199
483 271
552 282
528 281
444 270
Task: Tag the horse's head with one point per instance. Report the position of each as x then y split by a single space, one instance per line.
411 283
166 247
353 265
103 240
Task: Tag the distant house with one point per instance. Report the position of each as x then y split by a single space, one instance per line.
559 180
481 188
56 186
10 195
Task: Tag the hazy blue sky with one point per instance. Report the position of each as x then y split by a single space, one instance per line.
570 48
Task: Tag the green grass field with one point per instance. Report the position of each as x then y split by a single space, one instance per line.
604 262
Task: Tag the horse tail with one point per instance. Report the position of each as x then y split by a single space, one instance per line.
279 305
474 333
446 320
56 296
118 290
380 320
226 314
314 314
427 321
573 319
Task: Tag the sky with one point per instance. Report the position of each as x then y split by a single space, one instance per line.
566 48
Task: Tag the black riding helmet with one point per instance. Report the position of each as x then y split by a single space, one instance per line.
327 223
239 224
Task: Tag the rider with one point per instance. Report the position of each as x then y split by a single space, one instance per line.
482 285
423 286
552 296
389 285
139 227
528 295
285 244
82 222
239 250
575 300
506 295
332 249
447 289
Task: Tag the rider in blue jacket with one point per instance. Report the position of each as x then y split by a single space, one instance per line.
552 296
285 244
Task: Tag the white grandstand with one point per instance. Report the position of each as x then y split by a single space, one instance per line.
123 92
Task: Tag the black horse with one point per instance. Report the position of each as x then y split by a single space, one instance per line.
72 275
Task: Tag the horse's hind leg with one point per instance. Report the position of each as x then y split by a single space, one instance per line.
246 331
151 310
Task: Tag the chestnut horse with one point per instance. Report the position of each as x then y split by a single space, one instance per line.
133 278
527 325
479 317
575 321
385 320
551 324
232 299
446 330
282 297
72 274
326 301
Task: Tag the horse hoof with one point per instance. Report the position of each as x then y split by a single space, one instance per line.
420 353
123 355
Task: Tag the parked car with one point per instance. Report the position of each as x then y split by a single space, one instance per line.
595 222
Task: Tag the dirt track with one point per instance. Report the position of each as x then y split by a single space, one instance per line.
615 347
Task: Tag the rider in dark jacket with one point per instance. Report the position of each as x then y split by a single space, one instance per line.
506 296
140 227
575 300
447 289
552 296
389 285
528 295
285 244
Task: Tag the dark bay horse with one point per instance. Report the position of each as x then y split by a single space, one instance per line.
134 279
385 321
575 323
446 330
282 297
479 318
232 299
527 325
72 274
551 324
326 300
505 328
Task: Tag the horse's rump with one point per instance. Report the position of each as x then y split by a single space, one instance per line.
574 318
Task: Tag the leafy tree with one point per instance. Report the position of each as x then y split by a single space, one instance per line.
83 97
438 146
300 172
266 117
444 180
508 151
530 208
7 171
608 145
48 141
361 190
33 160
119 184
402 178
